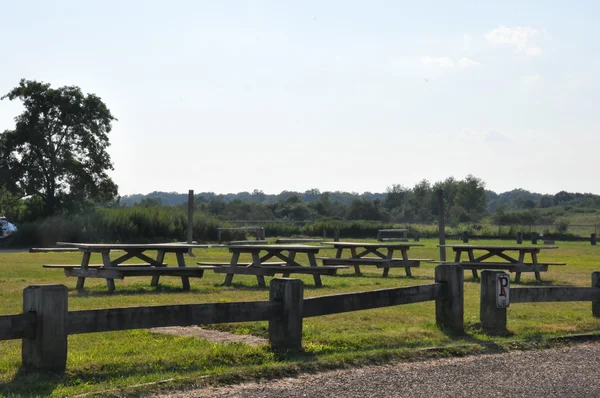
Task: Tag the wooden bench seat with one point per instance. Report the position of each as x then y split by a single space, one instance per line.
385 263
121 272
294 269
95 265
245 264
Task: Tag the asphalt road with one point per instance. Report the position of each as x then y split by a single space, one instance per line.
566 372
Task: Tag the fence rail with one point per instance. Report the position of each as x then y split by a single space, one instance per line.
107 320
46 322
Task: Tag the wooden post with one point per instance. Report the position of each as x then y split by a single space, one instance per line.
324 233
47 351
441 224
493 319
465 236
449 312
190 224
593 239
219 235
285 325
596 284
534 238
519 238
336 235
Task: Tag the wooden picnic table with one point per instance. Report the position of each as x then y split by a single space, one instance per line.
362 253
508 262
261 266
114 268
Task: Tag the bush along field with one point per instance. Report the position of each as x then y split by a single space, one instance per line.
115 361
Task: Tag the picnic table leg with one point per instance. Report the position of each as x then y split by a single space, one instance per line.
185 280
291 258
521 260
356 266
390 254
84 265
534 260
472 258
160 258
405 259
313 263
110 283
234 263
256 262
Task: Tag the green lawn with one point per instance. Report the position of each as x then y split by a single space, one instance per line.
101 361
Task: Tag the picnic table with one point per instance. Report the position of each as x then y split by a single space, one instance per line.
260 266
114 268
501 259
362 253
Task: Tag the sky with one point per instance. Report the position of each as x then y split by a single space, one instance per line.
230 96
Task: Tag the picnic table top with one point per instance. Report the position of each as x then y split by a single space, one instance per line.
296 247
395 245
497 247
127 246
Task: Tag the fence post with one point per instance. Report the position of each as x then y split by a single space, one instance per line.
336 235
519 238
593 239
596 284
441 224
449 312
47 350
190 220
493 319
285 325
465 236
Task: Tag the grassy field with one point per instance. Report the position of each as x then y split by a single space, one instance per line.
103 361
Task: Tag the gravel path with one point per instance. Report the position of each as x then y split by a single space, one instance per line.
565 372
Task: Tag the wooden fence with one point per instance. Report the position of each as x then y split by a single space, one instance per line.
46 321
493 317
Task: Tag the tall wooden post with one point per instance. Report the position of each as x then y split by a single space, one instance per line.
190 224
336 235
519 238
596 304
285 325
593 239
449 312
47 350
465 236
493 319
534 238
441 224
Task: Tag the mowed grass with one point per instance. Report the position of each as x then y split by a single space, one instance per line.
103 361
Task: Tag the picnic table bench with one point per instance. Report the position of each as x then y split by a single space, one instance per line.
381 260
392 235
503 260
261 267
112 269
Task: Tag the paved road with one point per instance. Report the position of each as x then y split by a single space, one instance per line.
565 372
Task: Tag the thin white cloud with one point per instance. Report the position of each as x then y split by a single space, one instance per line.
466 62
519 37
532 79
440 62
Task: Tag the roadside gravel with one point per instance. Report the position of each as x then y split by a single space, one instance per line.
566 372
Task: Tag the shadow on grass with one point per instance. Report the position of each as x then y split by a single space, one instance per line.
130 290
30 383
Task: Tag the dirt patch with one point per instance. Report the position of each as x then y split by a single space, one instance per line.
212 335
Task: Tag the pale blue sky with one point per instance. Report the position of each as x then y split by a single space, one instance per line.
228 96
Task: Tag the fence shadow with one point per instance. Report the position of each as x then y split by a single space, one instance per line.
27 384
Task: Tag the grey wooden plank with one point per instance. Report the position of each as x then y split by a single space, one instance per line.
551 294
105 320
17 326
493 247
168 247
338 303
297 247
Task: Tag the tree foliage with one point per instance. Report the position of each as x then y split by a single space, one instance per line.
58 149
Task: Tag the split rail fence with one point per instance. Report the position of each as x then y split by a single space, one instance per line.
46 321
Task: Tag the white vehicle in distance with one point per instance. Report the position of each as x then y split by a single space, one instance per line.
6 228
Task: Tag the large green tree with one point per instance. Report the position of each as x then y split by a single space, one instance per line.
58 149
